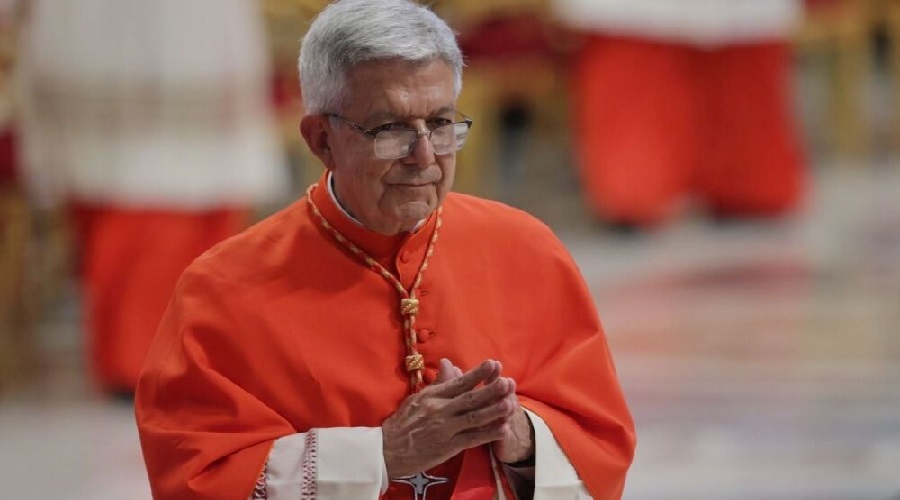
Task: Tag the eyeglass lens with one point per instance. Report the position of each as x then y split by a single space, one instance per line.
446 139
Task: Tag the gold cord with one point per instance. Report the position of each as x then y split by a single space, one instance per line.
409 302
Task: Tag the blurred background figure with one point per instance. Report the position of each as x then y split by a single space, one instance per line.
673 98
150 122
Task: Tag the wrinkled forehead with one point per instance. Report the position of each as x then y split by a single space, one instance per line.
389 72
396 88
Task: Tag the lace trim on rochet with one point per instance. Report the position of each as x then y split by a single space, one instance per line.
309 482
259 491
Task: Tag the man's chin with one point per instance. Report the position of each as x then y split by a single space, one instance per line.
414 211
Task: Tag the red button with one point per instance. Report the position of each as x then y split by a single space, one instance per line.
429 375
405 256
424 334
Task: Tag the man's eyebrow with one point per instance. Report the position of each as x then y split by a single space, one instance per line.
381 117
445 109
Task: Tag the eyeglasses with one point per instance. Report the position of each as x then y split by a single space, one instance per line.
392 142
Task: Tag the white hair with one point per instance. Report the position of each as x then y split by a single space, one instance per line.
350 32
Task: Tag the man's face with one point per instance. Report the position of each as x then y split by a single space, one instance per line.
390 196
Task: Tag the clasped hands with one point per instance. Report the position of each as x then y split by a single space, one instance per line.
459 411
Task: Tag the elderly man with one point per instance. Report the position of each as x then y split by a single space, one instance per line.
383 337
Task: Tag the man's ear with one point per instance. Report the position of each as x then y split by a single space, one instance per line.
315 130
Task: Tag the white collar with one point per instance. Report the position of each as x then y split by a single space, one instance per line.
330 183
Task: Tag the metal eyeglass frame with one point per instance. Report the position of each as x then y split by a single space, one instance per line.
373 132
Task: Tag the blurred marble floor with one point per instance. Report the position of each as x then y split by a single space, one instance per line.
761 361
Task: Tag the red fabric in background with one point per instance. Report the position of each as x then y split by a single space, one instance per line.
656 122
8 157
749 157
633 127
132 260
504 37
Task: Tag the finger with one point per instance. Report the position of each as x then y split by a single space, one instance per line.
495 377
481 397
510 417
484 418
512 386
472 438
447 371
468 381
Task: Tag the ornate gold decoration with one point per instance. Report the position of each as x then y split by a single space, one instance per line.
409 307
409 303
415 362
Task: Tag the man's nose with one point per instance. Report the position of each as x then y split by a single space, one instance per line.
422 153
